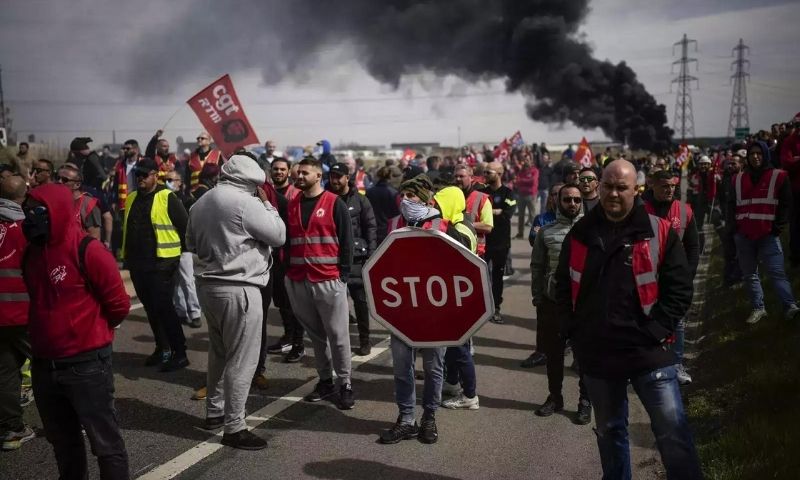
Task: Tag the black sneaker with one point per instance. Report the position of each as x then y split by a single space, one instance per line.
427 429
244 440
364 349
195 323
534 360
213 423
551 406
156 358
174 363
323 390
398 432
584 416
346 397
295 354
281 346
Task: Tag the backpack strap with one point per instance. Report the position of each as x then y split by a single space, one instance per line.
85 241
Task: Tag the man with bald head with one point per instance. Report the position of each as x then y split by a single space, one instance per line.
498 241
622 285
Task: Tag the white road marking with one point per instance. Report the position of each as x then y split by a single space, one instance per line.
182 462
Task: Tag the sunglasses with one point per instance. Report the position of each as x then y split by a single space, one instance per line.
61 179
40 170
125 149
575 200
587 179
202 138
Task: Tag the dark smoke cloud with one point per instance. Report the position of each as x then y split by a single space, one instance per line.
533 44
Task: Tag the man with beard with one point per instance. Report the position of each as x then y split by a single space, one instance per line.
158 150
498 241
364 233
202 156
622 284
479 206
125 172
86 206
266 158
660 201
759 211
42 172
152 238
292 339
320 260
88 162
587 183
544 261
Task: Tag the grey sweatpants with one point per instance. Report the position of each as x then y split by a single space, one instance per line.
323 311
234 315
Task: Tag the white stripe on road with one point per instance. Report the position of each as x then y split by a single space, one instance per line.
136 306
182 462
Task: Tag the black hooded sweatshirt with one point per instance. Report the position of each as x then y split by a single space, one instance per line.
612 337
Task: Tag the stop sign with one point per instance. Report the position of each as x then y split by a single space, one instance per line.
428 289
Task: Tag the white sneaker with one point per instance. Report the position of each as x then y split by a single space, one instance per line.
451 390
756 316
462 403
14 440
793 313
683 376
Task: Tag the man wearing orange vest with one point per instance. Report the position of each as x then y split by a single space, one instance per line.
87 210
622 285
758 211
479 206
15 347
202 155
660 201
158 149
320 258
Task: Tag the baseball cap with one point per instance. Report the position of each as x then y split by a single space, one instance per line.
340 169
80 143
146 165
742 153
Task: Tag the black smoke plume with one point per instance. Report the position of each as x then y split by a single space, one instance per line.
533 44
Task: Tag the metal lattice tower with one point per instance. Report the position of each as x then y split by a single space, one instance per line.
683 121
740 117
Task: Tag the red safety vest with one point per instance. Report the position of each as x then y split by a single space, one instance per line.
164 166
121 178
196 165
291 192
757 204
647 257
398 222
475 203
679 215
314 250
360 185
14 299
83 208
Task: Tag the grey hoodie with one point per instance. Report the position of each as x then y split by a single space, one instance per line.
231 230
10 211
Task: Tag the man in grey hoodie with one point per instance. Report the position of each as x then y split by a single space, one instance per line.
233 228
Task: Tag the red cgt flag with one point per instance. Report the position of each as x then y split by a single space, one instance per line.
222 115
502 151
584 156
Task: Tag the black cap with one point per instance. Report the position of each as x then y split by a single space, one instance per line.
340 169
146 165
412 171
80 143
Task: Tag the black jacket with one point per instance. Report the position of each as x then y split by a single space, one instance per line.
91 169
364 229
612 337
141 237
383 198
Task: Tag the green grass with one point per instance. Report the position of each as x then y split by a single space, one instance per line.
744 405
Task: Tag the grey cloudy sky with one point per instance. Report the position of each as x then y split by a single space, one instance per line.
62 63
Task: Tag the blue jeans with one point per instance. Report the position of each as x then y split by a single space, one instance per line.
768 250
680 339
543 194
405 393
658 391
461 368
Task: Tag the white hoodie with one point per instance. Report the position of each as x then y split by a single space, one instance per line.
231 230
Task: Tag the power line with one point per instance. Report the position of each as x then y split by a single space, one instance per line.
684 118
739 117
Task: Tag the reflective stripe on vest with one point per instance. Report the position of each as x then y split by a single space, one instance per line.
10 272
474 214
196 165
757 204
122 184
14 297
168 242
647 257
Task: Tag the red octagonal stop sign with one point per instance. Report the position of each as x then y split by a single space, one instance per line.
428 289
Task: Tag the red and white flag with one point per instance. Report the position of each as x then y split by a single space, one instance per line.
222 115
584 156
502 151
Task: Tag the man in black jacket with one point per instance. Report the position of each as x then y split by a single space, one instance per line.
364 243
88 162
622 284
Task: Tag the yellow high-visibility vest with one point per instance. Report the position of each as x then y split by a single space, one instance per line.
168 242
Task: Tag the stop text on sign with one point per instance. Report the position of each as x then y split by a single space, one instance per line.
436 289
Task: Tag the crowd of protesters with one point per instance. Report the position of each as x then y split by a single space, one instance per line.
614 255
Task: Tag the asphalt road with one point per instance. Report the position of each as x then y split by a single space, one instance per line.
503 439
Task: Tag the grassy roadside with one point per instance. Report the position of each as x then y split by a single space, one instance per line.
744 404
